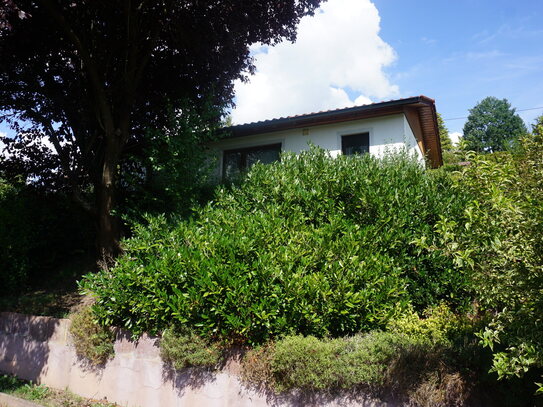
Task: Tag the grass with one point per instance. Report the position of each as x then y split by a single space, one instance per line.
46 396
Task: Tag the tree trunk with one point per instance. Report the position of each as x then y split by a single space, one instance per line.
108 233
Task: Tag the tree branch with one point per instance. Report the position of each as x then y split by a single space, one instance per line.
89 65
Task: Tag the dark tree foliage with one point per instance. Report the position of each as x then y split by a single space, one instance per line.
90 76
492 126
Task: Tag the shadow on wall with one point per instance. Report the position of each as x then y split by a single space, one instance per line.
24 343
356 397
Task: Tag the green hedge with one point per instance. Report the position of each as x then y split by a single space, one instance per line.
39 233
311 245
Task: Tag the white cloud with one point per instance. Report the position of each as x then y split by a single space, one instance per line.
455 136
337 61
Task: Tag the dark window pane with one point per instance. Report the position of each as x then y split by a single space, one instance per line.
355 144
232 163
265 155
236 161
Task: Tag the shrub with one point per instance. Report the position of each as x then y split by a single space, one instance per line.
439 326
256 366
92 341
383 363
183 348
39 233
311 245
172 171
322 364
499 241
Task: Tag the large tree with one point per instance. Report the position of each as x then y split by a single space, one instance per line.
492 126
91 75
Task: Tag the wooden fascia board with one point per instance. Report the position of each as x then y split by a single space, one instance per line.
413 119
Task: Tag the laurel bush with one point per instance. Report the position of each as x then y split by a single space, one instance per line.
311 245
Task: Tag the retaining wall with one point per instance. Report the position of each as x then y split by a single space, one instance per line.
40 349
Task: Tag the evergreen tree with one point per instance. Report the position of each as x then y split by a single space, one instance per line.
446 143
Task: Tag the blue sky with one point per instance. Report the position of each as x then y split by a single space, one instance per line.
457 52
361 51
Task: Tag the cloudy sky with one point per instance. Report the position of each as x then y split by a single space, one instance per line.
357 51
360 51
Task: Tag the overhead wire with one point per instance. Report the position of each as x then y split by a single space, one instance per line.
517 110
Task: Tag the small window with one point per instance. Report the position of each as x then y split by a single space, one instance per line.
237 161
355 144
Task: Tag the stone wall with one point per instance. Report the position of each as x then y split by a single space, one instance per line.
39 349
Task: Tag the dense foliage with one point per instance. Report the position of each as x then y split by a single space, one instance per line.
500 239
182 348
173 170
33 244
492 126
92 341
310 245
410 368
90 77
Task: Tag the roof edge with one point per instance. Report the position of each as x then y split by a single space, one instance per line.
285 121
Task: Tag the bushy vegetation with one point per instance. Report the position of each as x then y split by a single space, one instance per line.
436 326
92 341
355 272
172 171
311 245
499 240
183 348
34 231
382 363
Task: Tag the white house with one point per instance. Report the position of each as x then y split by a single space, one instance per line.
373 129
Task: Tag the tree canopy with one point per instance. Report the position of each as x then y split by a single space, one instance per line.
446 143
91 76
492 126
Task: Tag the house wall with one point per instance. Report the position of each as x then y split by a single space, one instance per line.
386 133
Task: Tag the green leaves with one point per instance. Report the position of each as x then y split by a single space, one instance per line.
311 245
493 126
499 242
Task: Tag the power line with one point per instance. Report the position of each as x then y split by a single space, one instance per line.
519 110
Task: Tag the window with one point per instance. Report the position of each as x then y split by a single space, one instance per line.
236 161
355 144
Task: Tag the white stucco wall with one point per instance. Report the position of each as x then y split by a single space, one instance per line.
386 133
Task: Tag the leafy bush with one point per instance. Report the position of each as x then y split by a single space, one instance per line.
173 170
186 349
383 363
499 241
311 245
439 326
321 364
39 233
9 383
92 341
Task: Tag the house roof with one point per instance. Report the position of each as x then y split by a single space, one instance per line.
420 112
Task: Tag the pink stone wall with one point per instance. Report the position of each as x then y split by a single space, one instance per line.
40 349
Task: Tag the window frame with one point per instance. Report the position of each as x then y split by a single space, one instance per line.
354 132
244 151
